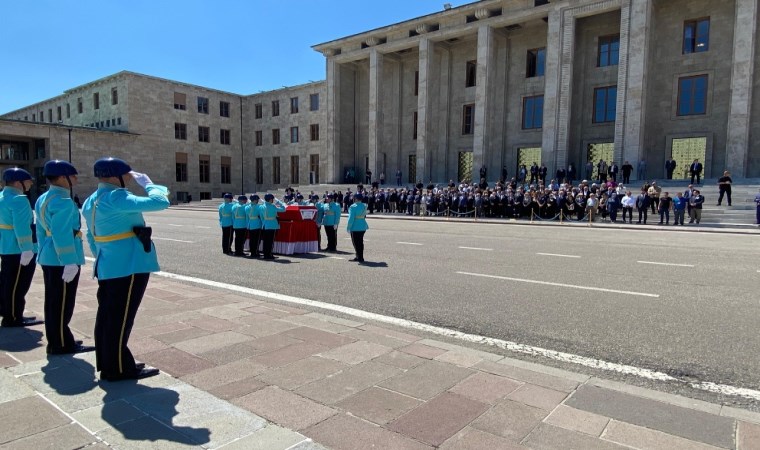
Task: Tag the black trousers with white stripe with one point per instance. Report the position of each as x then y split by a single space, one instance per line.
15 281
60 298
118 301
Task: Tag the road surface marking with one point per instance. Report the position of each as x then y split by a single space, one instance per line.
174 225
336 257
198 226
476 248
556 254
173 240
665 264
408 243
548 283
473 338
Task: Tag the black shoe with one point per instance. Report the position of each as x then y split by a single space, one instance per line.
138 374
25 322
79 348
269 258
354 259
139 365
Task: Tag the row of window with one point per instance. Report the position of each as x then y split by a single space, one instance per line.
204 133
258 108
80 107
295 176
204 169
180 102
294 138
108 123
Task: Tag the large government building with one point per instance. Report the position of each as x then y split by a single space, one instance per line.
492 84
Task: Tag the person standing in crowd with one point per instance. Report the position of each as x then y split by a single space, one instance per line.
268 213
642 205
614 171
331 221
398 177
60 255
627 169
533 173
124 259
225 221
589 169
670 167
724 185
240 224
757 203
542 172
368 174
654 196
679 208
17 247
253 216
695 170
641 170
382 178
357 226
664 208
571 173
696 201
591 206
628 203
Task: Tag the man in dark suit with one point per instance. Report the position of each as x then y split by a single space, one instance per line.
696 171
670 166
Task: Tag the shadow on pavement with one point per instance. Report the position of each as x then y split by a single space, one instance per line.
19 339
374 264
68 376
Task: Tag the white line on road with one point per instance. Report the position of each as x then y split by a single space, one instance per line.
473 338
548 283
556 254
336 257
408 243
665 264
174 225
476 248
198 226
173 240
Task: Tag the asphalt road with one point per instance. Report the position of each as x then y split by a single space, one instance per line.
695 319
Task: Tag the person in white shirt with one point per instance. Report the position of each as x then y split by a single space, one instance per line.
628 203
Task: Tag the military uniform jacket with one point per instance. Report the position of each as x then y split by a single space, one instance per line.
239 216
321 213
225 214
254 219
58 229
332 214
16 220
111 213
357 221
268 213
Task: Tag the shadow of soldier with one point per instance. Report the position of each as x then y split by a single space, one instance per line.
68 376
15 340
158 408
373 264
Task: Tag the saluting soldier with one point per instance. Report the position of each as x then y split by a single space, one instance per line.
60 255
225 221
254 225
240 224
124 258
331 221
268 212
17 247
357 226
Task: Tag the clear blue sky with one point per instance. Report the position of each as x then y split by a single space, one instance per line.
237 46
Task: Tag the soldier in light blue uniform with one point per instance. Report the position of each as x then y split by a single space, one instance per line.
17 248
240 224
60 255
318 219
254 225
124 258
332 211
357 226
268 213
225 221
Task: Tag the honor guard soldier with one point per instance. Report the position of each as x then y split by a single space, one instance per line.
357 226
254 225
268 212
319 218
331 221
60 255
225 221
17 247
124 259
240 224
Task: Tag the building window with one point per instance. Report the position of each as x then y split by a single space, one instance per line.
414 125
533 112
80 105
259 138
118 120
258 111
416 83
42 116
276 136
180 131
224 109
696 36
204 168
294 105
314 167
59 114
259 170
114 96
314 102
226 167
34 117
314 131
275 108
472 71
276 170
692 95
96 100
609 51
224 137
294 172
108 123
203 134
181 164
605 104
68 111
468 119
180 101
293 135
536 63
203 105
50 115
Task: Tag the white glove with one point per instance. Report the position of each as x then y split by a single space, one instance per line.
26 257
69 272
141 178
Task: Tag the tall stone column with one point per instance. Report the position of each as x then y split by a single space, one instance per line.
741 87
332 157
375 110
424 109
635 23
484 77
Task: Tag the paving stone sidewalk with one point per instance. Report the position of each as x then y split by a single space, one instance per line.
240 372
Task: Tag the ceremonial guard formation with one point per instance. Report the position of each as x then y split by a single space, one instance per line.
225 221
253 212
239 224
357 226
268 214
331 218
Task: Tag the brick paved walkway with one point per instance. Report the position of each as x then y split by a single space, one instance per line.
242 373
